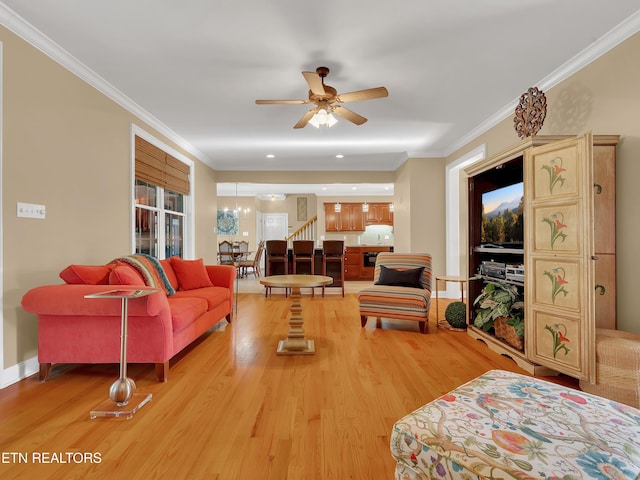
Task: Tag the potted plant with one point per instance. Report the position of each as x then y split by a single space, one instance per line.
500 308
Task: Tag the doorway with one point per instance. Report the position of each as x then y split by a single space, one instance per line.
275 226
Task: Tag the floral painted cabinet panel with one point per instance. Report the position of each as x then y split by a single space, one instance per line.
562 279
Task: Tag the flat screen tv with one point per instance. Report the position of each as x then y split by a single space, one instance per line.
502 224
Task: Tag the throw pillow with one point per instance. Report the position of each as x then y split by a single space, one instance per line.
86 274
125 275
410 277
169 272
191 274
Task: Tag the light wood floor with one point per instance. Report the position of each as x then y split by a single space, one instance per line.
233 409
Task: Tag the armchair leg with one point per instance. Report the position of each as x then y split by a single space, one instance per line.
424 327
228 317
45 371
363 320
162 369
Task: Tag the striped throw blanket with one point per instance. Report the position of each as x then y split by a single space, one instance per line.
150 269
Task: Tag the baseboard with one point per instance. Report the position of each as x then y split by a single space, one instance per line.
18 372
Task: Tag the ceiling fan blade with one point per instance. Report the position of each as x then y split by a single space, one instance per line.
305 119
349 115
368 94
288 102
315 82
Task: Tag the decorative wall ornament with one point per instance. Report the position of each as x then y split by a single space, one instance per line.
227 222
302 208
530 112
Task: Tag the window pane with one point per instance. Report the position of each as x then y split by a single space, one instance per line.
146 194
174 228
146 231
173 201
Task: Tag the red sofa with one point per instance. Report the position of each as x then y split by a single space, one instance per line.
74 329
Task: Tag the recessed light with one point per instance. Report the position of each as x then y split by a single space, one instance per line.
339 156
354 188
271 155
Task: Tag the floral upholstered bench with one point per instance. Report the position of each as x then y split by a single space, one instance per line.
506 425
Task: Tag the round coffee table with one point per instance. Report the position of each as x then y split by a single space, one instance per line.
295 343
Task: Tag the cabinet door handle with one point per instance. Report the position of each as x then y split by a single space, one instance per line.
594 257
598 188
601 288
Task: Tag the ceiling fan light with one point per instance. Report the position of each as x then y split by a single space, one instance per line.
322 116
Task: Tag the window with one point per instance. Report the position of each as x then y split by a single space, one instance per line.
161 202
151 214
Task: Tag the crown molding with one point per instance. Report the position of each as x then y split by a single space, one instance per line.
26 31
609 40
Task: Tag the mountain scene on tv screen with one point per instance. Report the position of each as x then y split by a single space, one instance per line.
502 215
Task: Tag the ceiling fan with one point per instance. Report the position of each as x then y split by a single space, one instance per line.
324 97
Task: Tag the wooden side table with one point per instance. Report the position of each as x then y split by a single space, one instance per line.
296 343
447 278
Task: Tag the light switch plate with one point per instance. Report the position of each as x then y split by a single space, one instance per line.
31 210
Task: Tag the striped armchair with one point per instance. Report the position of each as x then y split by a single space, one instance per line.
394 301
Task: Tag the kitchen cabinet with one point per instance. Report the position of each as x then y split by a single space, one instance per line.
379 214
350 218
354 264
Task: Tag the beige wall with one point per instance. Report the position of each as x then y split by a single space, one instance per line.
419 216
604 97
68 147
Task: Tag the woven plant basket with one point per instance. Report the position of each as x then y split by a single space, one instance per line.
617 367
507 333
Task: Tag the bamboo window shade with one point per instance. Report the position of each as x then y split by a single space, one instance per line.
157 167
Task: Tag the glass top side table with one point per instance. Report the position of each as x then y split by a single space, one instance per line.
123 401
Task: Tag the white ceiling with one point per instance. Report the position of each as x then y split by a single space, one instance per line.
194 69
321 190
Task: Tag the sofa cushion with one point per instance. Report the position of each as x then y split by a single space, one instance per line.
397 302
191 274
124 274
86 274
213 295
409 277
185 310
170 273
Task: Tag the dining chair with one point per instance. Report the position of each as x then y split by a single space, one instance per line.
225 253
243 250
254 264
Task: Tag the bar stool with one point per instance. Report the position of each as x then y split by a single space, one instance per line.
276 255
333 254
303 254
